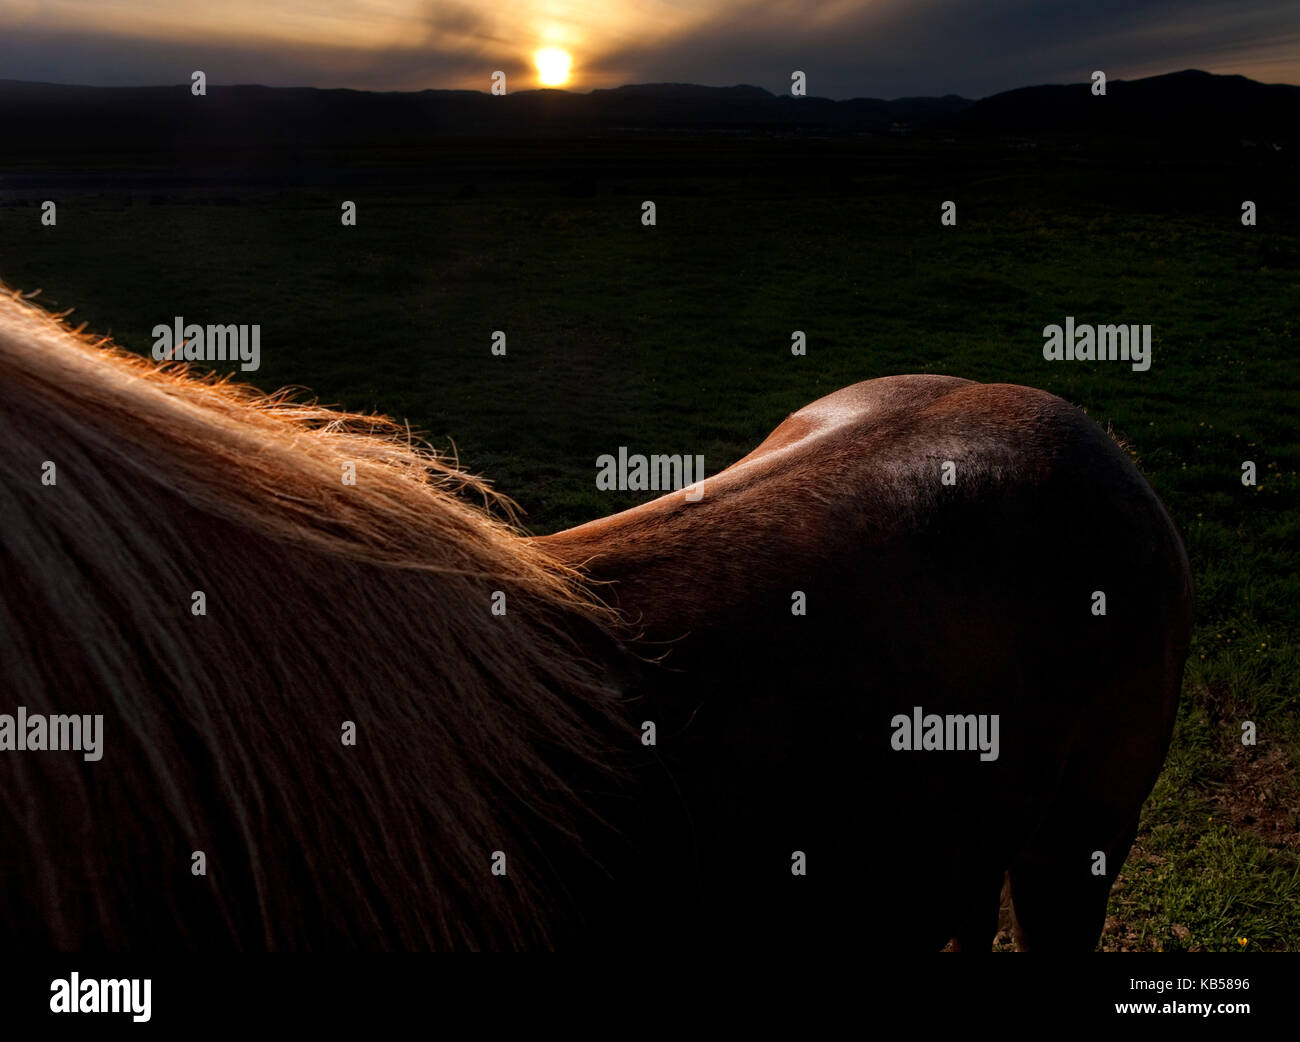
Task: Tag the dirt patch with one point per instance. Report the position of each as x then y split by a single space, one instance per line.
1262 795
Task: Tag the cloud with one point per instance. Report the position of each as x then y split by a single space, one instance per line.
902 47
97 59
848 48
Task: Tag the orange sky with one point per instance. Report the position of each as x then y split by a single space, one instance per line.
848 47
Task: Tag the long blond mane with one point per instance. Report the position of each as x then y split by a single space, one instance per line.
325 603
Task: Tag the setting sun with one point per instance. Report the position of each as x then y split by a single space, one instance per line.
552 66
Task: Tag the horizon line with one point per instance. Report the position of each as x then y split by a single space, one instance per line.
624 86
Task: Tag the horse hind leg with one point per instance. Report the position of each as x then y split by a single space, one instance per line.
1060 888
1060 885
1059 882
978 911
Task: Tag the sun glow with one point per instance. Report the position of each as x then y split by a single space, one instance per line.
553 66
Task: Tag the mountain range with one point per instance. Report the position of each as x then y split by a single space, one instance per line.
52 118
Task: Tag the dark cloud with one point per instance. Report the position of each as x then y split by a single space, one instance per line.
888 48
904 47
60 56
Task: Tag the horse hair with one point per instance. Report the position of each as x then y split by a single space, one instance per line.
325 603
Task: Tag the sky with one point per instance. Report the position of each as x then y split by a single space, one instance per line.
846 48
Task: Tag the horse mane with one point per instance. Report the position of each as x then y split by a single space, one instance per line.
325 603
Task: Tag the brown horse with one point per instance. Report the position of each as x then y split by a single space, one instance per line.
186 560
971 596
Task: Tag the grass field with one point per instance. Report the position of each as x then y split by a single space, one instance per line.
676 339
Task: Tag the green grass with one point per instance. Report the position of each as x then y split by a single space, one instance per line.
676 339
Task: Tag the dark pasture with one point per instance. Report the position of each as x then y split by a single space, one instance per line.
676 339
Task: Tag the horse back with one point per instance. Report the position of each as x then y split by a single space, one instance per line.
909 547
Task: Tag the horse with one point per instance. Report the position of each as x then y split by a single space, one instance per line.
348 703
